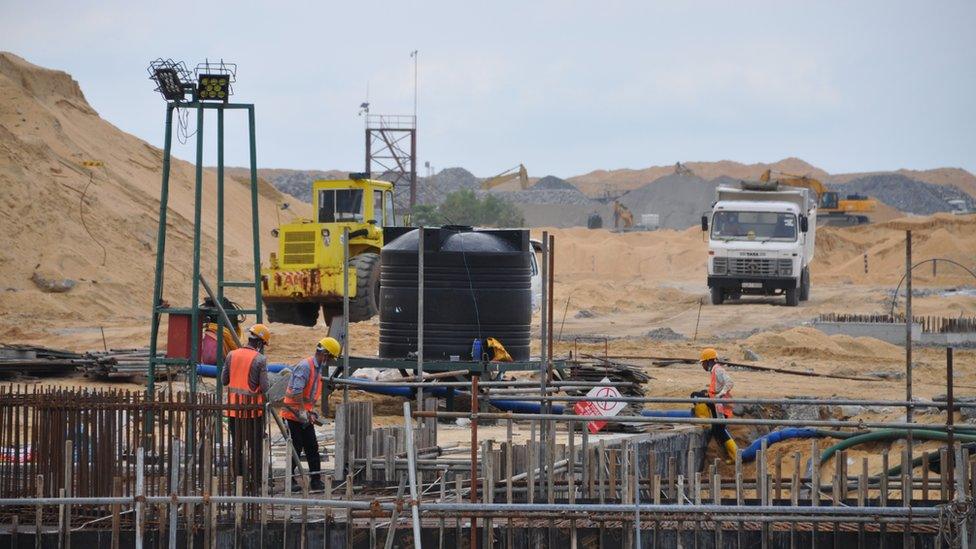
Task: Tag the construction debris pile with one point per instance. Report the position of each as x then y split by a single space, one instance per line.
30 361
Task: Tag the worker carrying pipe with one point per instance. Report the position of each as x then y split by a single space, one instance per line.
719 386
246 379
304 389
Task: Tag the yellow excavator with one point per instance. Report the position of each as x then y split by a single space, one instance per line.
831 208
517 172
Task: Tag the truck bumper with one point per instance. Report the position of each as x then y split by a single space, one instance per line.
752 285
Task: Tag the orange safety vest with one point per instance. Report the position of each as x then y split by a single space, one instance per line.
239 389
311 393
720 408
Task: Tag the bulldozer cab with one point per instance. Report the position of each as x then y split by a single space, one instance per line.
354 201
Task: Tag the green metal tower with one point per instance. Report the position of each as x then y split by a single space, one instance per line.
209 88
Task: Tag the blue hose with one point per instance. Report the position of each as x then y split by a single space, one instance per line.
749 453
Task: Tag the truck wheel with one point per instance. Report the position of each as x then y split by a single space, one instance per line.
792 297
805 284
718 296
366 303
302 314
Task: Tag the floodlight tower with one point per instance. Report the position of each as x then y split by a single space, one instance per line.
391 149
209 88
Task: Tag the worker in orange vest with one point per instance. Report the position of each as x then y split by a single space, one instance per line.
304 389
245 375
719 386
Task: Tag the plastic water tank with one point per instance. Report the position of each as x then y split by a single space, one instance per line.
477 284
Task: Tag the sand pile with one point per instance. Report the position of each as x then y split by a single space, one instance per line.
840 251
47 129
804 342
594 183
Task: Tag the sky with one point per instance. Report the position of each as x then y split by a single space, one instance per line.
562 87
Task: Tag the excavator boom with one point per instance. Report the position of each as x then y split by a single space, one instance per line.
512 173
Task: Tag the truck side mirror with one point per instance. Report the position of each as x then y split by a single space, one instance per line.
804 224
704 223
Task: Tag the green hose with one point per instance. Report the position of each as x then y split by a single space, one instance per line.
889 434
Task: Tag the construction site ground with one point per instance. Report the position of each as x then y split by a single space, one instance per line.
639 294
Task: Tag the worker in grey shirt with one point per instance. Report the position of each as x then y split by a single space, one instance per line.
245 375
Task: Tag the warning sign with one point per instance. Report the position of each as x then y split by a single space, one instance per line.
599 406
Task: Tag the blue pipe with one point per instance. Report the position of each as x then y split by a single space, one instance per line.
209 370
749 453
517 406
666 413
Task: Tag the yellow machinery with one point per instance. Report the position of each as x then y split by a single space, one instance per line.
831 209
622 216
506 176
305 273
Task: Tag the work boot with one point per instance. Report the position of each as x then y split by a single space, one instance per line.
316 485
731 449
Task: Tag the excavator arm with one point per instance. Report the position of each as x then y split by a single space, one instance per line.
512 173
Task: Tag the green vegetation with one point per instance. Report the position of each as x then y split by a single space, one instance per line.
465 207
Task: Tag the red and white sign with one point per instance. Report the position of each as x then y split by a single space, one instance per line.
598 406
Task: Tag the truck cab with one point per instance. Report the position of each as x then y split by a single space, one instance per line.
760 242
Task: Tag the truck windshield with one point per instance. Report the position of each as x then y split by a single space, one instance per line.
340 205
728 225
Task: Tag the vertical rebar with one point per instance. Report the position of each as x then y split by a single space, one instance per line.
412 474
908 342
474 458
950 420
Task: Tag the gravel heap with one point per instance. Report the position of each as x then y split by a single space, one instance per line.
553 183
904 193
679 200
533 196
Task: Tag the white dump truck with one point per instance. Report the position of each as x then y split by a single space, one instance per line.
761 241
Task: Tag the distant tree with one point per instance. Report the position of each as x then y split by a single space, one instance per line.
465 207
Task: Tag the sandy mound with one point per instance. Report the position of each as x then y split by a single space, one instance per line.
803 342
50 202
840 251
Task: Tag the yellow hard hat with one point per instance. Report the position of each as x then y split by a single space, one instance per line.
260 331
708 354
330 345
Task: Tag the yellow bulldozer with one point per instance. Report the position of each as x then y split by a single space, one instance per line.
305 273
831 208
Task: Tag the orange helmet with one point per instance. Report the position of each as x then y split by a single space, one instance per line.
708 354
260 331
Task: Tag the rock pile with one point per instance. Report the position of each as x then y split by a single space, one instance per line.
679 200
904 193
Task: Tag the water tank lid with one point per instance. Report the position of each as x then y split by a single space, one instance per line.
457 239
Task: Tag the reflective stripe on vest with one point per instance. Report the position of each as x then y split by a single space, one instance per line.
239 387
722 409
310 393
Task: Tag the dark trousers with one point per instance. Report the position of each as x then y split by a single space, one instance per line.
304 441
718 432
247 443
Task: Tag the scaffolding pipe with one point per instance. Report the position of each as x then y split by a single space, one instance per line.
687 420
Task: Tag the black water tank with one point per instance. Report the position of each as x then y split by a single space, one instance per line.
477 284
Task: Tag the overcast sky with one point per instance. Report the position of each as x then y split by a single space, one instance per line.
563 87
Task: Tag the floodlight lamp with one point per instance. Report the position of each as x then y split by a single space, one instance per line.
214 80
171 78
213 87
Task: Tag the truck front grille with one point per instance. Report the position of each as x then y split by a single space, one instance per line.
299 248
745 266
